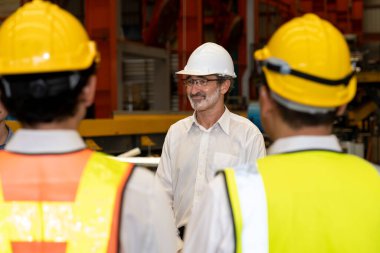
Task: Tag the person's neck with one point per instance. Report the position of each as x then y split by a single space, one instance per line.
69 124
3 132
286 131
209 117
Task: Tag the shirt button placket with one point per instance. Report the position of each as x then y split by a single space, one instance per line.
202 157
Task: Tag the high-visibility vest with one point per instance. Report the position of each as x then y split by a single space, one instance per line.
60 202
317 201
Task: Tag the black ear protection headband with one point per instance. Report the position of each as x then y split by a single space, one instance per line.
282 67
39 87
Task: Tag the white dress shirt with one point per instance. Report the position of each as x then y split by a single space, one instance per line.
192 154
210 228
146 221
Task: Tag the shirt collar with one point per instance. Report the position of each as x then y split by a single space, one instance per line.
45 141
223 121
297 143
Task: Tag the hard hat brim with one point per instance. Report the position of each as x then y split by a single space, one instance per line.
200 73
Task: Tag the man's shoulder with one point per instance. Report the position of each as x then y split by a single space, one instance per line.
142 181
184 120
143 174
184 123
243 121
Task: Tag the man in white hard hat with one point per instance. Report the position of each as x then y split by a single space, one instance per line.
212 138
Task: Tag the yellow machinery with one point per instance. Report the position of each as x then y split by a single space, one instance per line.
125 131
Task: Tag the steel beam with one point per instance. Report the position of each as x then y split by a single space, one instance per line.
101 19
190 36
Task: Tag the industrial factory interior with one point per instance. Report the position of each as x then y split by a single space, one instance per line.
190 126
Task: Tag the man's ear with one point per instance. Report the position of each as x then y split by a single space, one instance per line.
225 86
88 92
266 103
341 109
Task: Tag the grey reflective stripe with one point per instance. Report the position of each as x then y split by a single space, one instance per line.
298 107
7 89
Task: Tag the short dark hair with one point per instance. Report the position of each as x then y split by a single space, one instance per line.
2 96
221 80
297 120
31 110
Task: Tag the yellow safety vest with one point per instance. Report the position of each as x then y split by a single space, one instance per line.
83 225
318 201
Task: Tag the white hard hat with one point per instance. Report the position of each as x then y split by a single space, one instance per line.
209 59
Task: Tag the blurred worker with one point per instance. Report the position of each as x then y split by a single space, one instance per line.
57 195
211 139
5 131
306 195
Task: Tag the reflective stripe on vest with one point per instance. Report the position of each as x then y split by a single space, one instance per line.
232 190
321 201
83 225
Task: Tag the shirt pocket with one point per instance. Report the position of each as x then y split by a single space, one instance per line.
220 162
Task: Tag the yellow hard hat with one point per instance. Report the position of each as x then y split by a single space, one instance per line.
41 37
307 61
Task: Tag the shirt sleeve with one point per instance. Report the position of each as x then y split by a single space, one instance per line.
164 169
255 146
210 228
147 224
164 177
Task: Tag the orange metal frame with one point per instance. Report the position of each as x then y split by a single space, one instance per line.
190 36
101 24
